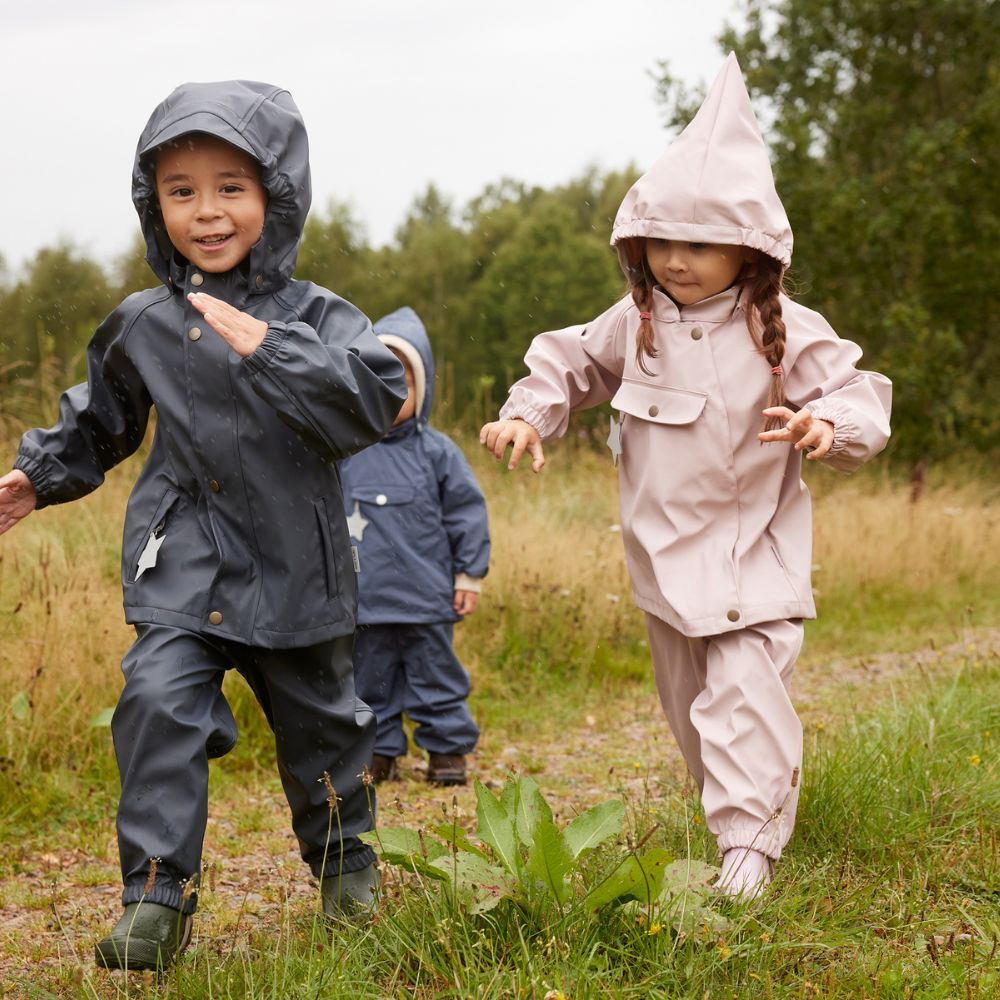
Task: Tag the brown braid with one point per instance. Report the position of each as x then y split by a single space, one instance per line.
632 258
764 284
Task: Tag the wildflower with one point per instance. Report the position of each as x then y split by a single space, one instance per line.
820 725
724 950
637 764
764 938
975 760
697 820
555 995
654 929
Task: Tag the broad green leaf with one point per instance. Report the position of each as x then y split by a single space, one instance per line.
594 826
684 898
452 833
550 860
399 846
635 878
102 718
529 806
477 885
20 706
496 828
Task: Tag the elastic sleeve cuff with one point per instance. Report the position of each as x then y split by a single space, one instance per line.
845 429
471 583
273 339
36 473
527 413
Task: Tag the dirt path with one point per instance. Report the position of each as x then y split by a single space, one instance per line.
51 914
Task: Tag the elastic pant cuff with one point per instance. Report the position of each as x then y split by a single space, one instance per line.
353 861
165 893
768 838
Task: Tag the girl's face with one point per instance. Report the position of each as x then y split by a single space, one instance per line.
212 201
690 272
409 407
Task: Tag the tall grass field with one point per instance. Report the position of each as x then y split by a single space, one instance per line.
890 886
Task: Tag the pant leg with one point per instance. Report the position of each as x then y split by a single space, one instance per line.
751 737
679 669
319 726
169 715
378 674
436 690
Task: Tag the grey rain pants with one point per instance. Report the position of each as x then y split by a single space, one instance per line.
726 699
172 716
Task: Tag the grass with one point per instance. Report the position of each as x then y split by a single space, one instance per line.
890 885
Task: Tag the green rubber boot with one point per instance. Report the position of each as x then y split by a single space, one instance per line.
353 894
148 936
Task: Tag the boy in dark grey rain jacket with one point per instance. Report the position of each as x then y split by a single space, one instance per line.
235 551
418 520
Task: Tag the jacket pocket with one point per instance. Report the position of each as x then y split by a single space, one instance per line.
330 573
659 404
390 495
157 524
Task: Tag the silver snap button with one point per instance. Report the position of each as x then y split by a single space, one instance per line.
696 333
194 333
197 279
381 499
653 410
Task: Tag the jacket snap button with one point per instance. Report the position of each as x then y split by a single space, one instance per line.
696 333
194 333
197 279
381 499
214 485
653 410
733 615
215 617
259 281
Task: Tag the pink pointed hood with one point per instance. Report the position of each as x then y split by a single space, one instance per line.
714 183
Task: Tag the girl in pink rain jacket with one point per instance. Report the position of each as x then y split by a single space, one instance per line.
722 383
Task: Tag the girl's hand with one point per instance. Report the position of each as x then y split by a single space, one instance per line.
803 428
518 433
17 499
239 330
465 602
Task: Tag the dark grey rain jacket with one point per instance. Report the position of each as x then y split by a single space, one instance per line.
241 485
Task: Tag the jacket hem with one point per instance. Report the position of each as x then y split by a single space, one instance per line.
263 638
719 624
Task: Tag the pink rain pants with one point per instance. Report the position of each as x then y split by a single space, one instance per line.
726 699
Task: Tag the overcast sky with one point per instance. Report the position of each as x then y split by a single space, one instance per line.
395 93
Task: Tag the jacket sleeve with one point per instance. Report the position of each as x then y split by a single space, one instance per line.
463 509
571 369
821 375
101 421
329 377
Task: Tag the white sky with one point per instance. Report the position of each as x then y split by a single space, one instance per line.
395 93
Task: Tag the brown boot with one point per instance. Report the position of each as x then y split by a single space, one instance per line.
446 769
383 768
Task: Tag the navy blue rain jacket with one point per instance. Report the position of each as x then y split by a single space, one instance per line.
426 516
241 481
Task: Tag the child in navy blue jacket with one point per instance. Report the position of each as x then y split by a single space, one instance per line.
235 552
418 520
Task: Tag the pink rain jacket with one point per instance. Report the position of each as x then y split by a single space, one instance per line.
717 527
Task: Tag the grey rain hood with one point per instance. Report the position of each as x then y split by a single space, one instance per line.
262 121
235 527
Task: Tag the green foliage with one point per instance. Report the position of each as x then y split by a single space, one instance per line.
884 121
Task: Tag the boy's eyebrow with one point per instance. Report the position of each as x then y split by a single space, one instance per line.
221 175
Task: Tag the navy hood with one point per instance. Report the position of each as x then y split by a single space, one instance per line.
262 121
404 331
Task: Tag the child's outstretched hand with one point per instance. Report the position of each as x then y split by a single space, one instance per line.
466 602
518 433
17 499
803 428
239 330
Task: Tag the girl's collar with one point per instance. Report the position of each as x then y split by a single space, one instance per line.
715 309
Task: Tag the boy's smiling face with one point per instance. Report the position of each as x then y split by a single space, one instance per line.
211 199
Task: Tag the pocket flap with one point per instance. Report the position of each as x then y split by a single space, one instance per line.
659 404
386 495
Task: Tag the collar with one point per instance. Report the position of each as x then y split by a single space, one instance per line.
232 286
715 309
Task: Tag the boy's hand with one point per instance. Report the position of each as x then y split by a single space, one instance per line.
518 433
466 602
239 330
17 499
802 428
